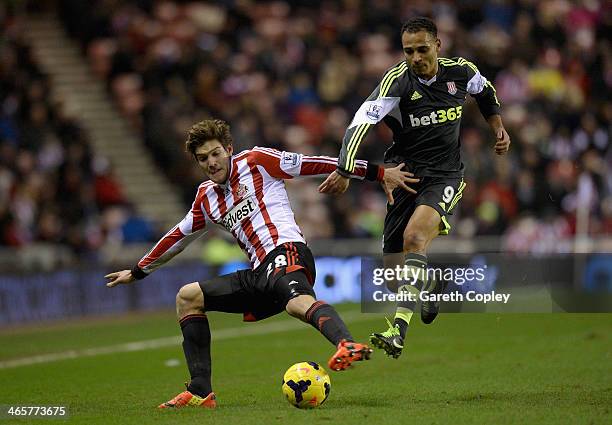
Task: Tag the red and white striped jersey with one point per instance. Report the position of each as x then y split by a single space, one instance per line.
253 205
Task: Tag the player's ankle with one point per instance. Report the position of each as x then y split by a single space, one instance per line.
199 388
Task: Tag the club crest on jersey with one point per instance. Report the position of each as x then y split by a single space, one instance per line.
452 88
374 111
242 191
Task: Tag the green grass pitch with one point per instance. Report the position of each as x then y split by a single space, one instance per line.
462 369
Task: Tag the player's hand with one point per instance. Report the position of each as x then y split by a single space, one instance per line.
502 144
334 183
394 178
124 276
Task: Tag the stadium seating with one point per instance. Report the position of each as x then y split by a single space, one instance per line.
55 188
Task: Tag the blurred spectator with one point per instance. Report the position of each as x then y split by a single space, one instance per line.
137 228
51 188
108 190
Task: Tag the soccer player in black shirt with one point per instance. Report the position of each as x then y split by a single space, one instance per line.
421 100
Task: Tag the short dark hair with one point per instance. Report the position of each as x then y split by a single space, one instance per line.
420 24
206 130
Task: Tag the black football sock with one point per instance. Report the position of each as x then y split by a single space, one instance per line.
196 346
325 318
401 320
416 267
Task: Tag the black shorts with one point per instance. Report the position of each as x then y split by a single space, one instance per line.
440 193
263 292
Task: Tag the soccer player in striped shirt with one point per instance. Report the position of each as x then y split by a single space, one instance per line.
421 100
246 196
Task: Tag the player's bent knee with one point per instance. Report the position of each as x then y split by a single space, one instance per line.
189 298
298 306
414 241
291 287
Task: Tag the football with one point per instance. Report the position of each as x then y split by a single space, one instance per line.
306 385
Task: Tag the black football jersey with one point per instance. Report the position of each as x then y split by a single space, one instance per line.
424 116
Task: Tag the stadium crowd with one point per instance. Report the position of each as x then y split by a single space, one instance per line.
290 75
53 188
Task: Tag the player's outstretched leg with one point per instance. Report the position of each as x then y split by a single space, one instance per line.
326 320
196 346
423 226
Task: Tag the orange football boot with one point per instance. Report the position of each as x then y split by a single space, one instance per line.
347 353
186 398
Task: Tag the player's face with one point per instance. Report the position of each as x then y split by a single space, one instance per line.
214 160
421 50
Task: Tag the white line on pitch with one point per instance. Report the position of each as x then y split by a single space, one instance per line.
228 333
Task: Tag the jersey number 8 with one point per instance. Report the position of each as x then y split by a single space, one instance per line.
279 261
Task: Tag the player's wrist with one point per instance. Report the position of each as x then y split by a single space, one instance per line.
344 173
138 273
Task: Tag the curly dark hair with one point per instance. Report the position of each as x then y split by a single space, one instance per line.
206 130
420 24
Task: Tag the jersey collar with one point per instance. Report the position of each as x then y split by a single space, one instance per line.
432 79
428 82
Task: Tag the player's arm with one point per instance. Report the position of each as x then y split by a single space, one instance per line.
287 165
189 229
384 98
390 178
502 139
483 91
